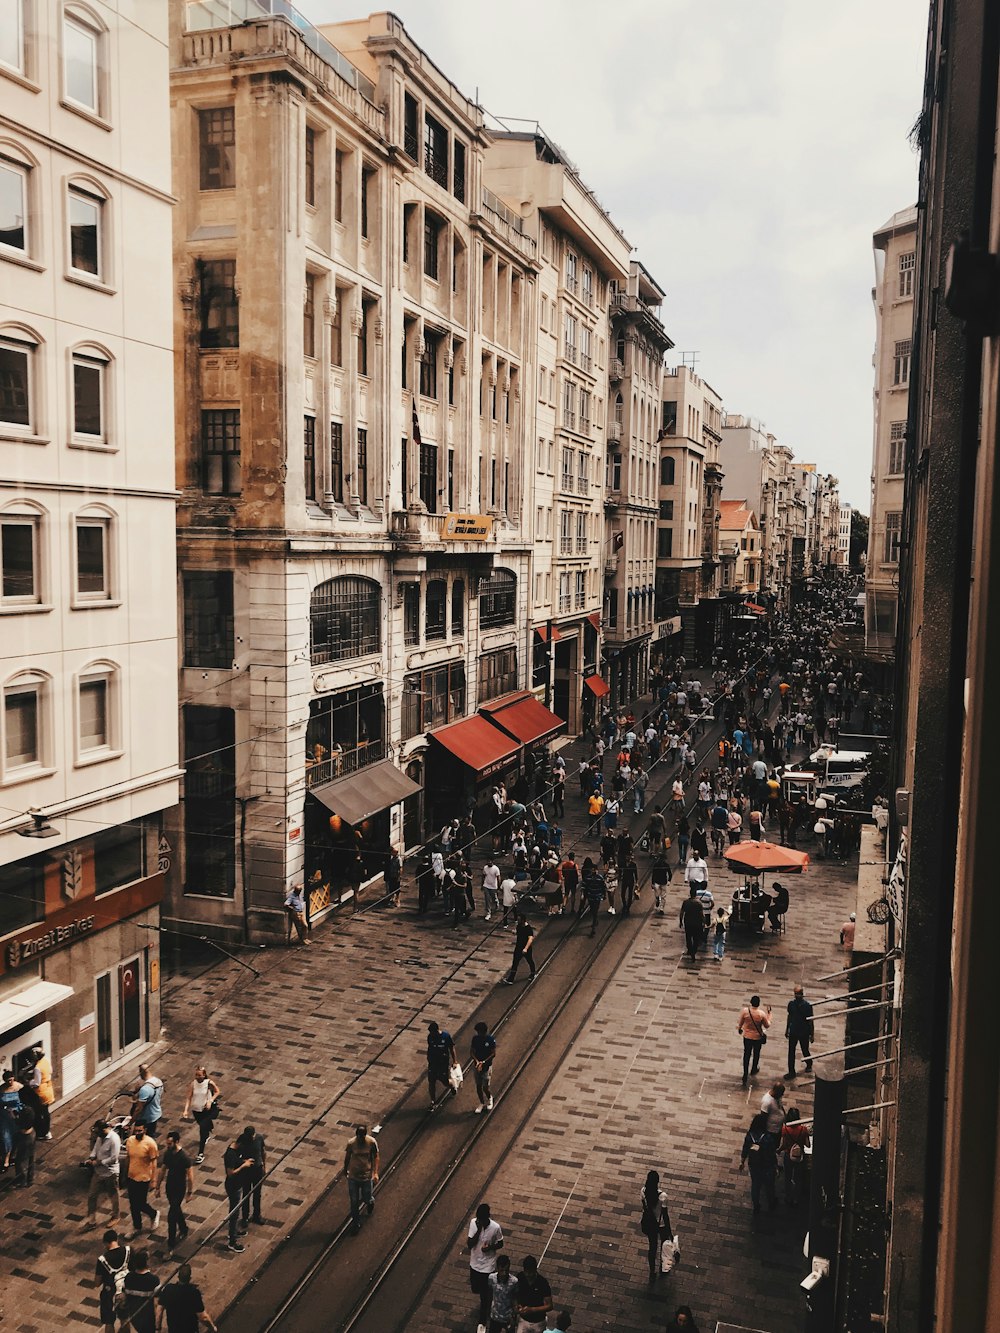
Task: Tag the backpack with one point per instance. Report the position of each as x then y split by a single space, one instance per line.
116 1276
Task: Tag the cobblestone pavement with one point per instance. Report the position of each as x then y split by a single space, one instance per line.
332 1034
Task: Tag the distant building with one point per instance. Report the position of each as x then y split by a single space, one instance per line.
739 547
844 534
88 761
895 258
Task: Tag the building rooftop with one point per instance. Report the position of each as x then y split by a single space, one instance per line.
904 220
734 514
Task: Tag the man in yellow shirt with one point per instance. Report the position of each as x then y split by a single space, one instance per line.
41 1080
142 1159
595 808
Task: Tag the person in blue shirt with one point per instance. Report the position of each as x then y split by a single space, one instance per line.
147 1108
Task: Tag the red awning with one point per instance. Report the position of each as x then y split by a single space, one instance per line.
598 687
478 744
595 620
524 718
543 632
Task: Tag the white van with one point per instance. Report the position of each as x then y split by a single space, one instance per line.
840 771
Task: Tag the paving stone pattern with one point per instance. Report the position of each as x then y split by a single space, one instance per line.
333 1033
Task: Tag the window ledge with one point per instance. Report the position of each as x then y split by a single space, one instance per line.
16 76
25 609
13 437
13 256
98 604
29 773
95 284
97 756
97 446
79 109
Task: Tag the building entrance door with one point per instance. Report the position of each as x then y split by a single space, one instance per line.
120 1009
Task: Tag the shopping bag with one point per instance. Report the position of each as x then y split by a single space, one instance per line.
455 1077
670 1252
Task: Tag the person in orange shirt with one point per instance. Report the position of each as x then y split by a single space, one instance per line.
142 1162
595 808
40 1079
752 1027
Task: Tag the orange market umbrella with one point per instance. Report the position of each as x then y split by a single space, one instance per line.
760 858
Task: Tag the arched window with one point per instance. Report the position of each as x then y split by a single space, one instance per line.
619 409
436 610
27 726
85 64
95 565
666 471
22 551
87 208
98 733
458 607
344 620
18 182
498 599
90 395
20 372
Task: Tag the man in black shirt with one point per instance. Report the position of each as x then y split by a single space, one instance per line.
182 1303
239 1163
692 918
255 1147
175 1168
524 938
140 1285
532 1296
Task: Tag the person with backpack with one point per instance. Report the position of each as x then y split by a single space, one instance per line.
660 875
595 890
795 1140
110 1274
138 1298
760 1155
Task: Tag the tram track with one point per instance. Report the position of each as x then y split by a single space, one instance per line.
313 1280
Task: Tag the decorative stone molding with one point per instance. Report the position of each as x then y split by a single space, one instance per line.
357 321
329 309
187 290
379 329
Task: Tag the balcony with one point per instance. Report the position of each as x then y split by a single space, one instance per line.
570 353
565 544
583 485
565 603
614 432
581 545
586 362
341 763
569 420
611 565
616 369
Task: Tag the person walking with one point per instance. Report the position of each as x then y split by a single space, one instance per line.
752 1027
147 1109
559 794
720 927
40 1080
508 898
799 1029
175 1169
106 1156
440 1058
239 1164
109 1275
393 877
682 831
491 886
183 1305
361 1169
200 1103
683 1321
570 873
257 1149
142 1155
138 1310
692 921
760 1154
503 1316
771 1106
655 1221
657 828
483 1051
595 891
533 1297
295 910
24 1148
660 875
795 1139
485 1241
524 938
628 882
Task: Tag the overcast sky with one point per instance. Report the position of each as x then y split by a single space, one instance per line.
747 148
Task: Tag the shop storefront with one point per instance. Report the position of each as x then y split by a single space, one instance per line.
464 760
82 974
527 721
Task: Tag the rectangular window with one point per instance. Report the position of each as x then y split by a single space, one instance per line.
208 619
362 471
81 63
667 510
209 801
567 469
585 411
458 172
217 148
310 166
893 529
363 339
338 185
365 184
411 614
586 337
436 151
429 367
907 265
336 332
337 461
901 363
588 286
85 241
220 309
432 231
571 271
92 557
119 857
21 726
309 455
433 698
583 474
611 608
15 383
429 476
13 206
19 559
22 893
451 479
569 405
309 317
897 447
497 673
665 543
88 397
570 329
12 45
436 610
94 714
220 452
410 120
670 418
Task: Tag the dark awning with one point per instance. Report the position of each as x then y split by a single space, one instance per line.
543 632
598 687
365 793
524 718
595 620
478 744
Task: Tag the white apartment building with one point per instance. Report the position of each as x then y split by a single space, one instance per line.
844 534
579 252
894 247
88 741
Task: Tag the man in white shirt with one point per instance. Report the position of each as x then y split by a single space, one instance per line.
491 883
696 872
484 1243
